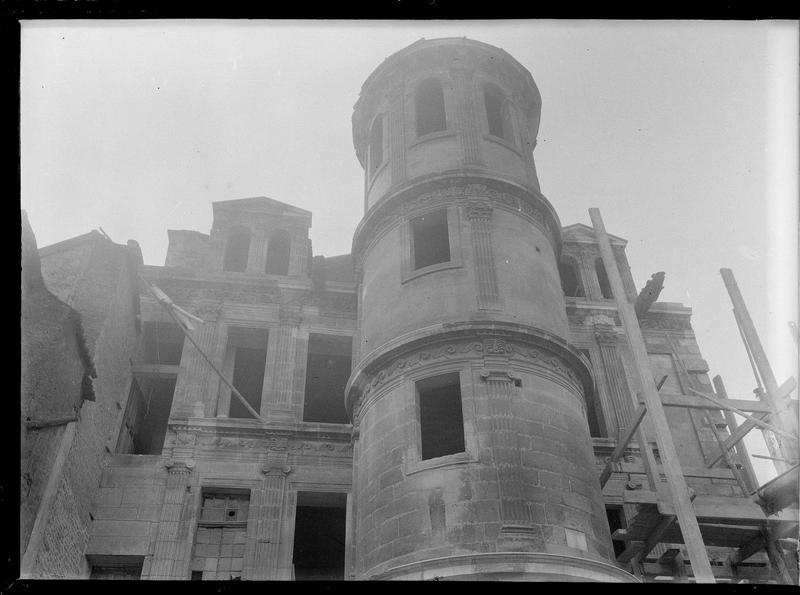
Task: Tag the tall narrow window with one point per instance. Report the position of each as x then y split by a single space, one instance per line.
570 279
497 112
245 361
237 250
615 521
429 104
220 538
430 242
376 144
441 418
602 279
327 373
278 252
593 415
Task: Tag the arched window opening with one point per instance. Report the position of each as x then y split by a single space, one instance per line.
430 107
278 251
602 279
237 250
497 112
570 280
376 144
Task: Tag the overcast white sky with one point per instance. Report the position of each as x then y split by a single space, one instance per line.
684 134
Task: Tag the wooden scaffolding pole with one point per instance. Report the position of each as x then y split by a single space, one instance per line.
772 394
690 529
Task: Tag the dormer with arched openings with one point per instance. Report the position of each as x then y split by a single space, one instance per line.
237 250
279 249
259 236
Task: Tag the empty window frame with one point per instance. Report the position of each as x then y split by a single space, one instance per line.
319 536
220 538
441 417
602 279
279 249
237 250
245 360
327 372
429 107
615 516
162 343
570 279
144 425
376 144
124 568
594 414
430 239
497 113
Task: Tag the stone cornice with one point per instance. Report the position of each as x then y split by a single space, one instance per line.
528 345
458 187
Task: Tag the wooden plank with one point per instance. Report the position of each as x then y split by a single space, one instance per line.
690 402
787 422
756 544
669 456
622 445
655 536
739 433
741 449
728 459
155 370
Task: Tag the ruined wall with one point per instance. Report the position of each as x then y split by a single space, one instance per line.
98 284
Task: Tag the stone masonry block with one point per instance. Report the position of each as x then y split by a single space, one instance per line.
123 528
115 513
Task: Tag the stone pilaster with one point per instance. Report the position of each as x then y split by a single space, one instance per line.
505 450
619 392
267 510
168 550
298 256
194 370
283 371
468 128
480 219
397 134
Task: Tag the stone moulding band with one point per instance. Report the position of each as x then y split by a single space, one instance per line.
551 567
554 358
455 189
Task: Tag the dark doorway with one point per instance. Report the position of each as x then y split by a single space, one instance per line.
319 536
441 416
147 413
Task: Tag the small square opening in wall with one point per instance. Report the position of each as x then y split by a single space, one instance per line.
441 417
576 539
430 239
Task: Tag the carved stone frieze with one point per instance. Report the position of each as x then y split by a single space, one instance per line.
667 323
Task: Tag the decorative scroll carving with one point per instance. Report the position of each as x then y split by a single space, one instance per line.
666 323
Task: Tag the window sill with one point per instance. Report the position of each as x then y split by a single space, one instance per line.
501 141
434 268
432 136
459 458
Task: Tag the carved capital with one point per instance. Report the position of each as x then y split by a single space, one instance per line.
478 210
500 376
181 466
288 316
605 335
276 470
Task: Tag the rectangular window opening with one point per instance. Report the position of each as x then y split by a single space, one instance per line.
593 416
441 416
319 536
144 426
124 568
430 239
220 539
162 343
327 372
614 515
244 364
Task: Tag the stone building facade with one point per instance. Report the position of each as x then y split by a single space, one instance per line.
438 404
